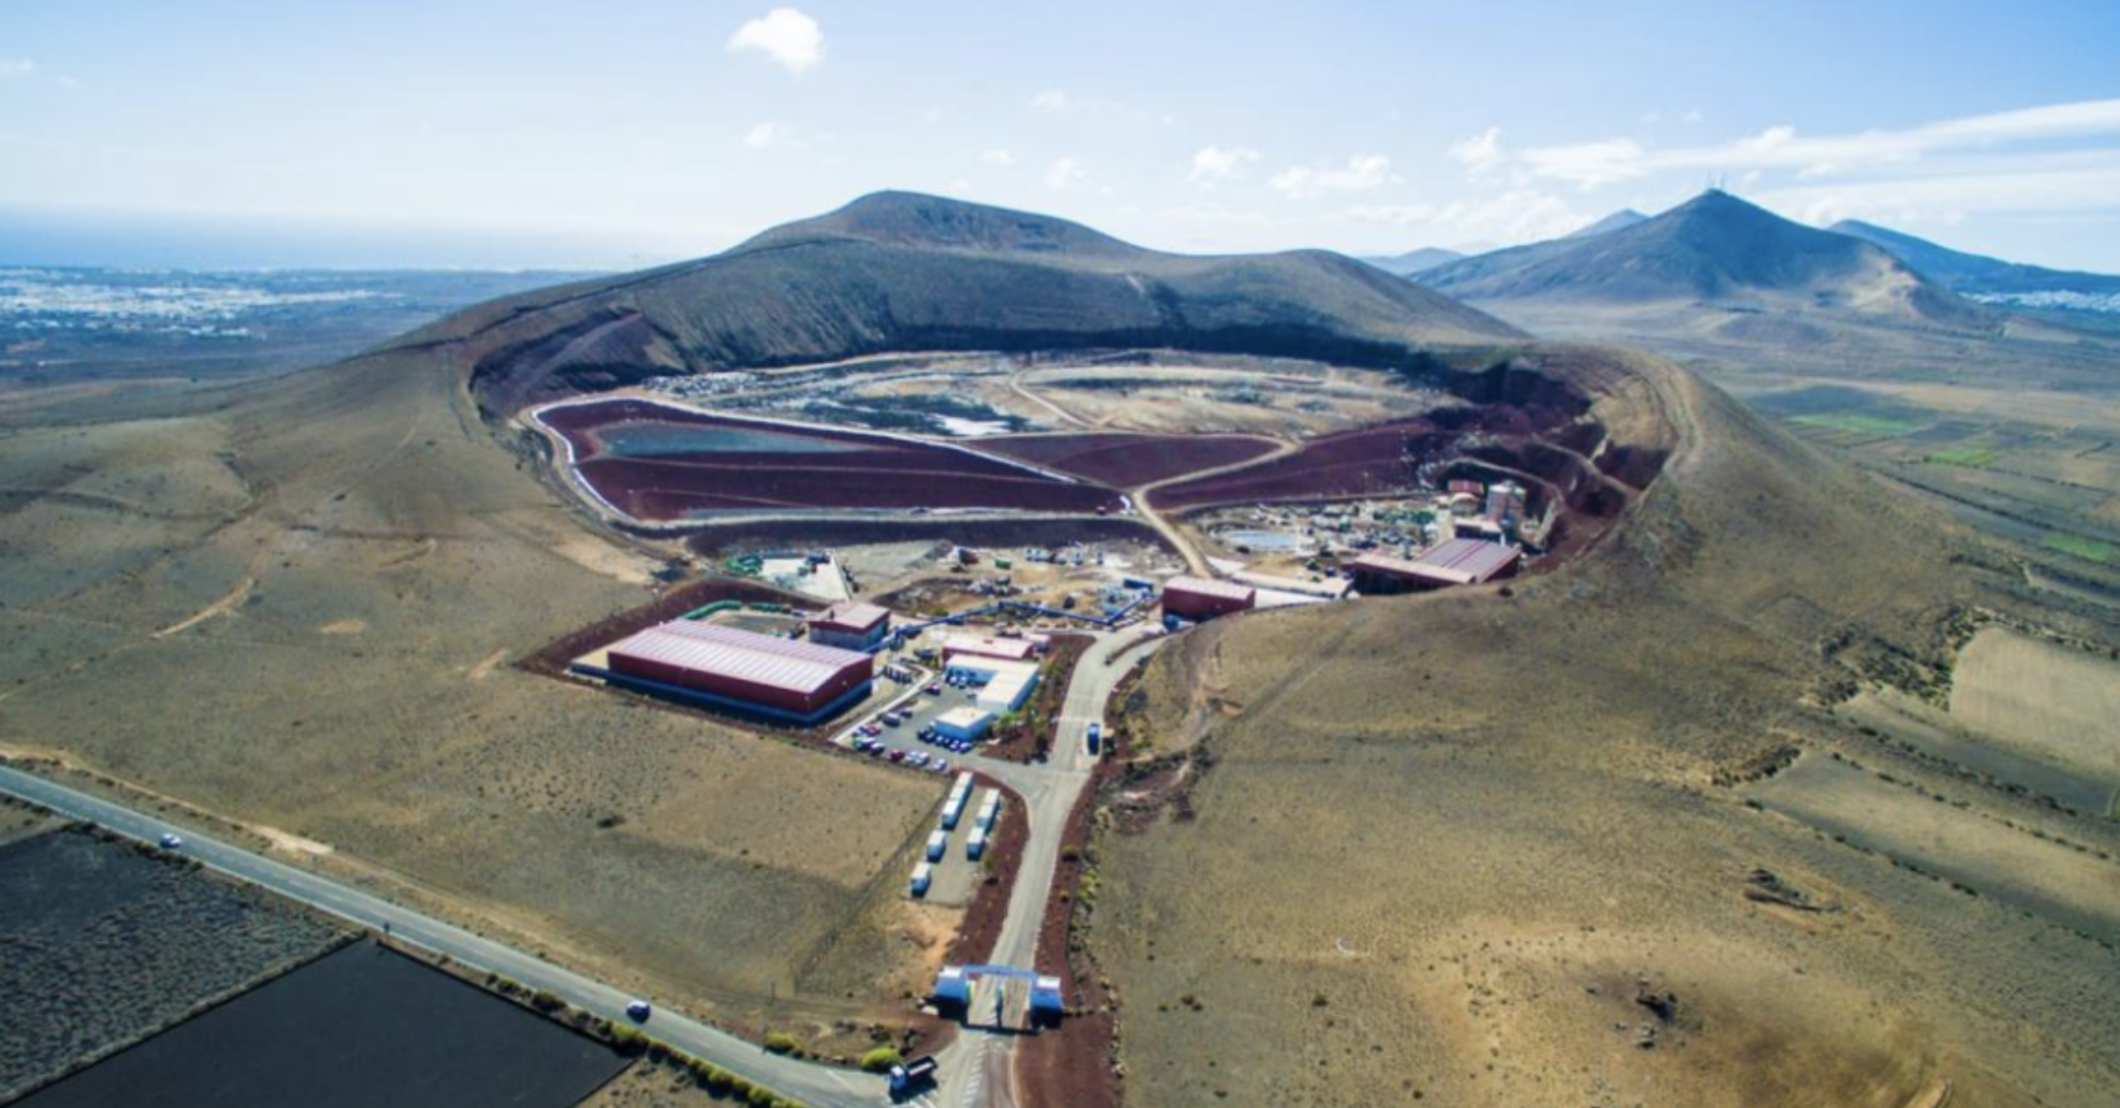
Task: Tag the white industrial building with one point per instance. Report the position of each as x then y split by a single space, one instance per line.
964 724
1003 685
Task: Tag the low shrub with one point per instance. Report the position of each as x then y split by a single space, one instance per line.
629 1042
780 1042
881 1059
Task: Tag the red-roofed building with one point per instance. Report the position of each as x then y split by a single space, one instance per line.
1198 598
1456 562
987 646
799 681
851 626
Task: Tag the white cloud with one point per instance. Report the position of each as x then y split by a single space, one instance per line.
761 135
791 39
1481 151
1211 164
1592 164
1588 164
17 69
1523 215
1363 172
1058 101
2080 184
1064 173
998 156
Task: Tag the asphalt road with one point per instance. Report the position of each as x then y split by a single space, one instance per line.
814 1084
975 1071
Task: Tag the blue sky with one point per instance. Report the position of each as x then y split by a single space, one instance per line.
619 132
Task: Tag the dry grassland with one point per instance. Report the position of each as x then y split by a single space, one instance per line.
1474 849
2043 698
355 692
2064 883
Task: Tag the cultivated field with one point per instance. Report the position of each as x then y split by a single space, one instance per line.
2076 889
2041 698
105 944
361 1027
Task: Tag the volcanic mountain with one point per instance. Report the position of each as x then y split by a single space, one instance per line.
899 271
1715 250
1974 273
1617 221
293 602
1414 261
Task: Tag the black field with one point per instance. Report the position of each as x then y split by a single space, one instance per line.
364 1026
101 945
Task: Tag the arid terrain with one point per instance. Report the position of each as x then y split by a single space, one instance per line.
1548 848
1735 798
324 589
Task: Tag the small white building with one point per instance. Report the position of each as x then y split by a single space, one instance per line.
964 725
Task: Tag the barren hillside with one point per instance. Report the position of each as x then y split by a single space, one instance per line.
1500 847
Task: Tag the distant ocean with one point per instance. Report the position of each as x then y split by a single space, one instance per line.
128 241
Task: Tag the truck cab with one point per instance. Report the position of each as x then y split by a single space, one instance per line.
911 1077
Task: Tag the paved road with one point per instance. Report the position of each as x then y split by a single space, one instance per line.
817 1085
977 1070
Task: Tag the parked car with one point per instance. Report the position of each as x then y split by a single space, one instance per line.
897 755
942 765
934 688
917 758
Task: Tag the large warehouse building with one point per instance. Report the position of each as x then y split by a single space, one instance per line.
762 674
1456 562
1197 598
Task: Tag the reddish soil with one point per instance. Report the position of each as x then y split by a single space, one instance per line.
553 658
1371 461
1126 460
765 467
1023 742
1073 1065
665 489
981 928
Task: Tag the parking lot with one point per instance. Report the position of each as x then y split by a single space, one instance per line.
916 708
